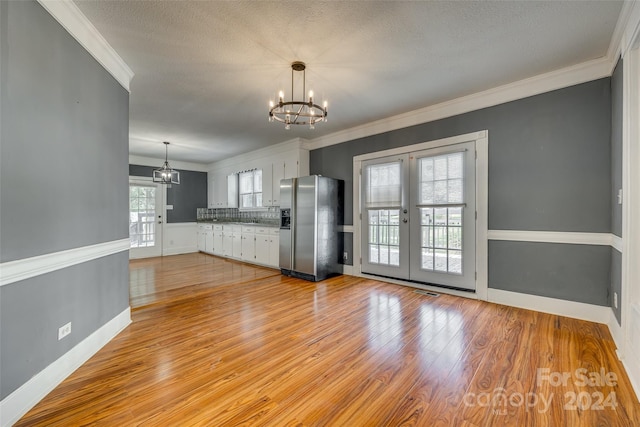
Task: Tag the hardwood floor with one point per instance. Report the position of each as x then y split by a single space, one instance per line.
219 343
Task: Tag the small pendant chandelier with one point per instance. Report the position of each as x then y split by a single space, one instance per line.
166 175
293 112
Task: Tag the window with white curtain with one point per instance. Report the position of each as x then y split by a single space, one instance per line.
250 183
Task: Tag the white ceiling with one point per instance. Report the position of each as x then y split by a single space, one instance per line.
205 70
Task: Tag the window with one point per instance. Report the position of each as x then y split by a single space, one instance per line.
441 201
142 215
383 189
250 189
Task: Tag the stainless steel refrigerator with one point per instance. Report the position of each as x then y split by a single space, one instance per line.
309 227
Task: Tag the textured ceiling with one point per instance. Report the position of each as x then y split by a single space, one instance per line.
205 70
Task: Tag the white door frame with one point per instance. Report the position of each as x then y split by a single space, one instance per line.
626 336
162 196
481 139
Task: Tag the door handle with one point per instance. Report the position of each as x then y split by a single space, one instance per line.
405 220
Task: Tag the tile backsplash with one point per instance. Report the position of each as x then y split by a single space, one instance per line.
269 216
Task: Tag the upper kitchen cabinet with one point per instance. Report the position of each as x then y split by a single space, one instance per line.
222 190
290 165
232 190
286 160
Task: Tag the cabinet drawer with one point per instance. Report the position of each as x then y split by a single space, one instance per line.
218 227
248 229
263 230
274 231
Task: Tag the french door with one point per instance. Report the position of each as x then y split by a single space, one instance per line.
418 216
145 219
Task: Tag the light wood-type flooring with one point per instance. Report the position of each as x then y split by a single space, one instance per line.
216 342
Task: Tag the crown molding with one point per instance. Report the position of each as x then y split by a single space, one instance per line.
176 164
78 25
631 28
576 74
271 150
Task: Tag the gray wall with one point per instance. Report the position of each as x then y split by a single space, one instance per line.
549 170
185 197
616 283
616 183
63 185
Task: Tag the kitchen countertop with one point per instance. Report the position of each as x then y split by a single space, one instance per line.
264 224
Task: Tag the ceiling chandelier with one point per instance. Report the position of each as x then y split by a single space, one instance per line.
292 112
165 174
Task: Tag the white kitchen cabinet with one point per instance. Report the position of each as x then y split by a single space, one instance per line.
216 190
232 191
211 190
274 247
248 248
227 240
201 238
277 175
262 245
236 248
208 246
218 240
267 185
205 238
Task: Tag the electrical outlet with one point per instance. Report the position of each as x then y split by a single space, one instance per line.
345 256
620 196
615 300
63 331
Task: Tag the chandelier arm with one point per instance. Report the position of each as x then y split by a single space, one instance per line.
298 114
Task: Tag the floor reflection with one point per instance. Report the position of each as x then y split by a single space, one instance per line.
385 322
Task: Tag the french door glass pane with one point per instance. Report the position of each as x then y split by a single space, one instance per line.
441 179
384 236
142 216
383 184
441 239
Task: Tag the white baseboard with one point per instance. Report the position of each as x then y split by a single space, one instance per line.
577 310
616 331
347 269
18 403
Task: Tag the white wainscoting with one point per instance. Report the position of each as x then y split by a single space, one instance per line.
180 238
18 403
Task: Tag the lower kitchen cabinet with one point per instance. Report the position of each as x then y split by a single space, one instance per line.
255 244
262 245
236 238
274 247
205 238
201 238
248 243
218 240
